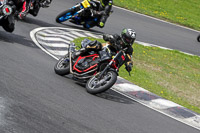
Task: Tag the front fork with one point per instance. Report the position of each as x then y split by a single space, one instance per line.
70 62
71 48
76 8
106 68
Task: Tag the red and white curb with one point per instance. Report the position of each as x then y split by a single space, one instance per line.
55 41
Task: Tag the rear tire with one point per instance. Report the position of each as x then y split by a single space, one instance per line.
198 38
62 67
62 14
112 78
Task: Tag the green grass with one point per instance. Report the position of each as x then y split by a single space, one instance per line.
184 12
168 73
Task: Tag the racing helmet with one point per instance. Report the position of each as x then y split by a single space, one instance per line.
128 36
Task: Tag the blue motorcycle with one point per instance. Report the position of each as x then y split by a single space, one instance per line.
80 14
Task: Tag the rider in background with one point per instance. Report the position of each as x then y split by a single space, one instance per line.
103 10
23 7
119 42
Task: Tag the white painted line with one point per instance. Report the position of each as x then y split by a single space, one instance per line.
91 35
67 34
194 120
32 34
58 52
52 39
139 101
126 87
61 45
163 104
50 31
156 19
152 45
78 34
43 34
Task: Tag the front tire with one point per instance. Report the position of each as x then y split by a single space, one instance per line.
62 67
198 38
61 17
94 86
9 24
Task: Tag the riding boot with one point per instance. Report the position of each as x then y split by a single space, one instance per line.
35 10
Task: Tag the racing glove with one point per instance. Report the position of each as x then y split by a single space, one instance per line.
129 66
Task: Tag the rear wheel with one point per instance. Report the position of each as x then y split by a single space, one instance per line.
64 16
62 67
198 38
95 86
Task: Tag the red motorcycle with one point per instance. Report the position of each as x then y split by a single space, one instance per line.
98 69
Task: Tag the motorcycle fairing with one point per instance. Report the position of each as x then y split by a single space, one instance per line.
90 65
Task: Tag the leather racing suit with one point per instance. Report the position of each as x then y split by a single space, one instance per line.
103 10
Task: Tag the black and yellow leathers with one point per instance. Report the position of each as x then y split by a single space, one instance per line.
103 9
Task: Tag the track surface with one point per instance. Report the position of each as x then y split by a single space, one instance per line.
34 99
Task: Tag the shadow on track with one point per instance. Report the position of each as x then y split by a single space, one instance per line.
111 95
14 38
80 27
37 22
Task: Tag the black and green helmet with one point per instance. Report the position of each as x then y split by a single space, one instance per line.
128 36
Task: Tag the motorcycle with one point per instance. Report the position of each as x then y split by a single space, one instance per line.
80 14
198 38
99 70
7 10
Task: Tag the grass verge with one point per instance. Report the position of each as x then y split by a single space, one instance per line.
168 73
184 12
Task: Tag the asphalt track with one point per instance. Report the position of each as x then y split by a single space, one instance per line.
33 99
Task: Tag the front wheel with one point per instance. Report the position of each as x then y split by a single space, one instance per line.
198 38
62 67
94 85
64 16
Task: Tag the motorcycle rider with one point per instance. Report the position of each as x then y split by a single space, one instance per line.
23 7
103 9
119 42
125 40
